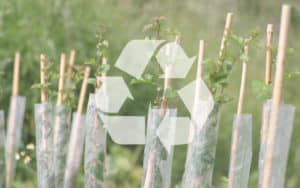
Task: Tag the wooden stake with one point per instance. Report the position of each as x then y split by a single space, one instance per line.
236 131
61 82
167 81
225 36
71 64
199 74
104 62
200 59
268 79
148 179
197 90
243 84
100 81
167 84
268 73
277 93
16 76
83 90
10 147
43 63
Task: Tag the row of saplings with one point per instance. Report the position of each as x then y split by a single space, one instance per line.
59 143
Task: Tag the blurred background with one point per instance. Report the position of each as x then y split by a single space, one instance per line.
51 27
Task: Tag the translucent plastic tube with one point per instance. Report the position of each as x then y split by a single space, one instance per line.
241 151
157 159
281 146
13 137
201 151
263 138
2 150
62 127
44 144
75 150
95 147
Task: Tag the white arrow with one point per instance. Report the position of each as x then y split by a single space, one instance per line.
173 130
136 55
172 53
199 101
194 93
125 130
111 96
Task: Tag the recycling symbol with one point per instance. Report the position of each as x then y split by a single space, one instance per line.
173 130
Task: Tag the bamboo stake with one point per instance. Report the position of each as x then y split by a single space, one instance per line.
2 149
167 84
71 64
198 173
225 36
104 62
77 137
61 128
95 147
268 73
236 132
43 63
61 82
100 81
199 74
268 81
13 127
95 140
277 93
149 171
83 90
44 139
198 78
243 84
167 81
197 91
200 59
16 75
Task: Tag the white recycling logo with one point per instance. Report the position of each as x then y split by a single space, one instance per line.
173 130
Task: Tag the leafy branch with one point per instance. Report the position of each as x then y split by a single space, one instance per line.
51 85
157 29
102 52
217 75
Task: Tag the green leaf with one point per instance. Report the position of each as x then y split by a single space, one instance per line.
221 98
238 39
139 81
261 90
104 68
208 61
170 93
227 62
292 75
92 81
244 57
148 76
105 43
36 86
91 62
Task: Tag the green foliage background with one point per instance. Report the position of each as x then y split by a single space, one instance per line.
56 26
